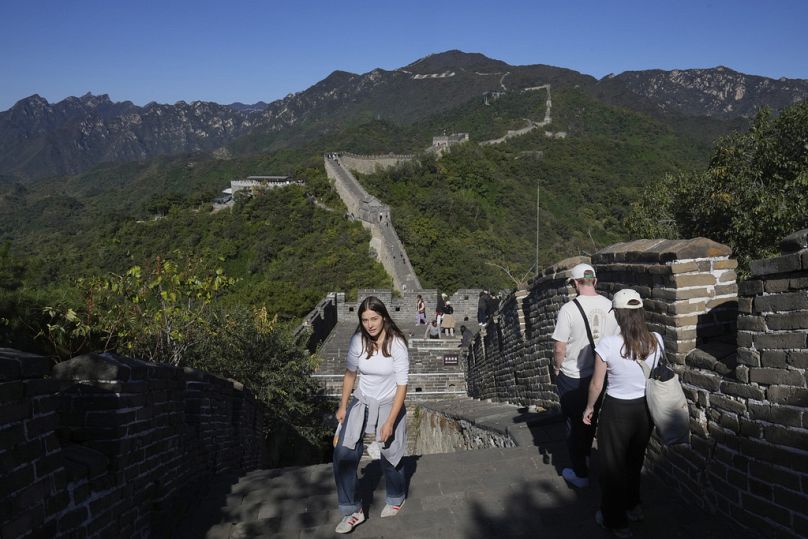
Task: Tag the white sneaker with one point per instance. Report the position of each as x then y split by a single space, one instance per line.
569 475
392 510
349 522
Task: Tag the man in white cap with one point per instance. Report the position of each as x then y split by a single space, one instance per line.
587 315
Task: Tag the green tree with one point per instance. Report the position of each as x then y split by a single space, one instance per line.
753 193
156 313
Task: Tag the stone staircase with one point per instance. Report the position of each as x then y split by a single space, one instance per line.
496 492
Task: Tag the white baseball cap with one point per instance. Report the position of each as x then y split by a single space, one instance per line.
582 271
627 299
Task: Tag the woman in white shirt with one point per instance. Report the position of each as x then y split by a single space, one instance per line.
624 426
378 351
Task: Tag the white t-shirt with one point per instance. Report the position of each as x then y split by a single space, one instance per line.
626 379
379 375
579 361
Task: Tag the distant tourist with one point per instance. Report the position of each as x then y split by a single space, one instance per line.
625 425
574 360
377 351
482 308
447 323
491 304
421 307
465 336
432 331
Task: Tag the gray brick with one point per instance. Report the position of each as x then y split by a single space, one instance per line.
798 359
778 264
728 404
707 381
775 286
745 356
745 305
775 359
774 474
792 320
776 376
752 323
745 391
792 301
779 340
795 501
793 396
776 434
750 287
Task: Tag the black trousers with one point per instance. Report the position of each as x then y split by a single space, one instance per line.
573 394
624 429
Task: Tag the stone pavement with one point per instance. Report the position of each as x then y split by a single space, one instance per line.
497 492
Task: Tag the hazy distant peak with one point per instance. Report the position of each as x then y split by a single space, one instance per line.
455 59
32 100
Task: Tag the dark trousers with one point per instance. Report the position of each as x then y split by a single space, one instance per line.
573 393
623 433
345 464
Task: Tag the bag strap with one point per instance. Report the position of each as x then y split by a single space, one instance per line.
660 358
586 323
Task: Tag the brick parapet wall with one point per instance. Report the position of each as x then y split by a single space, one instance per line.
749 454
104 446
690 295
741 353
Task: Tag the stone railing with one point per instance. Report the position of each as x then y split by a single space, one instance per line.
742 360
105 446
319 323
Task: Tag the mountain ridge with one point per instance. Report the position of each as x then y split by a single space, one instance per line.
41 139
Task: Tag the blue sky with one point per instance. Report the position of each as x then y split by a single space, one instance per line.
248 51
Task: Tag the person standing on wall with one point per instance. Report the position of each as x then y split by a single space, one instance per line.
447 324
482 308
377 351
625 424
421 307
589 314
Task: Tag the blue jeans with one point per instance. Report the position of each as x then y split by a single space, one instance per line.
346 462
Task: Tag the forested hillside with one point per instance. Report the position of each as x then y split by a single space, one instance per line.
467 218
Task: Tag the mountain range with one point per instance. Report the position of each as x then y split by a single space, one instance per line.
39 139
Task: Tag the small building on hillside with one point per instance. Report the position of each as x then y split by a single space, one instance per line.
442 142
250 184
262 182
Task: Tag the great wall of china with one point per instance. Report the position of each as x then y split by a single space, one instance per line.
103 445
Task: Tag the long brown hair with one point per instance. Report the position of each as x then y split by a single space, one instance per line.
638 342
391 330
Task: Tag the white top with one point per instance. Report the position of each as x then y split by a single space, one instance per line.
379 375
579 361
626 379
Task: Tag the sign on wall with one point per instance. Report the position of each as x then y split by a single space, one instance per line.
450 359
